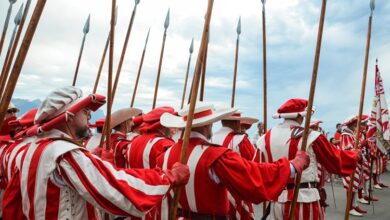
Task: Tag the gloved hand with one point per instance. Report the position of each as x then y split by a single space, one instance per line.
108 155
178 175
301 161
359 155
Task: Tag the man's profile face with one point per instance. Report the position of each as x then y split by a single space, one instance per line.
80 123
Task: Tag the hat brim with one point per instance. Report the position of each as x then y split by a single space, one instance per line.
122 116
248 120
173 121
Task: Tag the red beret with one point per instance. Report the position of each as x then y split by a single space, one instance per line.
156 113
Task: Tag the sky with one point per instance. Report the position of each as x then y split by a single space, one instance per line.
291 40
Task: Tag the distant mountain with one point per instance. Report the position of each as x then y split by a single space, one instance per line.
24 105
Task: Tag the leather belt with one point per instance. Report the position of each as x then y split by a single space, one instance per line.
303 185
198 216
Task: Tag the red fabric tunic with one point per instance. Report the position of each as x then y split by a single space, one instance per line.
144 150
119 144
347 144
59 180
214 170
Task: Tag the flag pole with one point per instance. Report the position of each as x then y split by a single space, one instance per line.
121 59
20 58
166 25
4 77
361 105
188 69
85 32
5 27
191 111
104 56
310 105
236 62
139 70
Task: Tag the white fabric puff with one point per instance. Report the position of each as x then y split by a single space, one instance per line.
57 102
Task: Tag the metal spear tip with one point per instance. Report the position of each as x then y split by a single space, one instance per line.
372 5
192 46
137 2
86 26
166 23
263 2
239 26
12 1
18 16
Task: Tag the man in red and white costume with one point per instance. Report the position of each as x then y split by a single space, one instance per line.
215 169
284 140
59 179
153 141
7 133
230 136
347 144
121 122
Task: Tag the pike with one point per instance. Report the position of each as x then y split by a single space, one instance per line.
121 59
5 27
202 84
8 62
310 105
334 198
166 25
103 56
361 105
236 62
4 77
20 58
264 77
139 71
85 31
187 130
188 70
107 130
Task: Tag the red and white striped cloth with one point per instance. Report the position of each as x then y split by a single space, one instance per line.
143 151
304 211
347 143
59 180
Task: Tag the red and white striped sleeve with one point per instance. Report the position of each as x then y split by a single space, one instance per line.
122 192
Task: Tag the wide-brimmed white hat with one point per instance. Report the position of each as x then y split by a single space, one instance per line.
204 114
237 116
123 115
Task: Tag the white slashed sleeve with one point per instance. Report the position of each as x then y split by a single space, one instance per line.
120 192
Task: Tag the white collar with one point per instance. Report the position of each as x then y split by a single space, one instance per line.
289 122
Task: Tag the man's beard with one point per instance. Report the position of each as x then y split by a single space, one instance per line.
82 132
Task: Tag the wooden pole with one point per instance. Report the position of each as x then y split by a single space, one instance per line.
4 77
166 24
17 67
85 32
187 131
8 61
236 63
187 72
361 105
5 27
264 79
139 71
202 84
121 59
101 64
310 105
264 70
109 81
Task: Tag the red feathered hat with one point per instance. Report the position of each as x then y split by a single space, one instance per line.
292 109
98 123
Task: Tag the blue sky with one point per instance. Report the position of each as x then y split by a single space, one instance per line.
291 33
